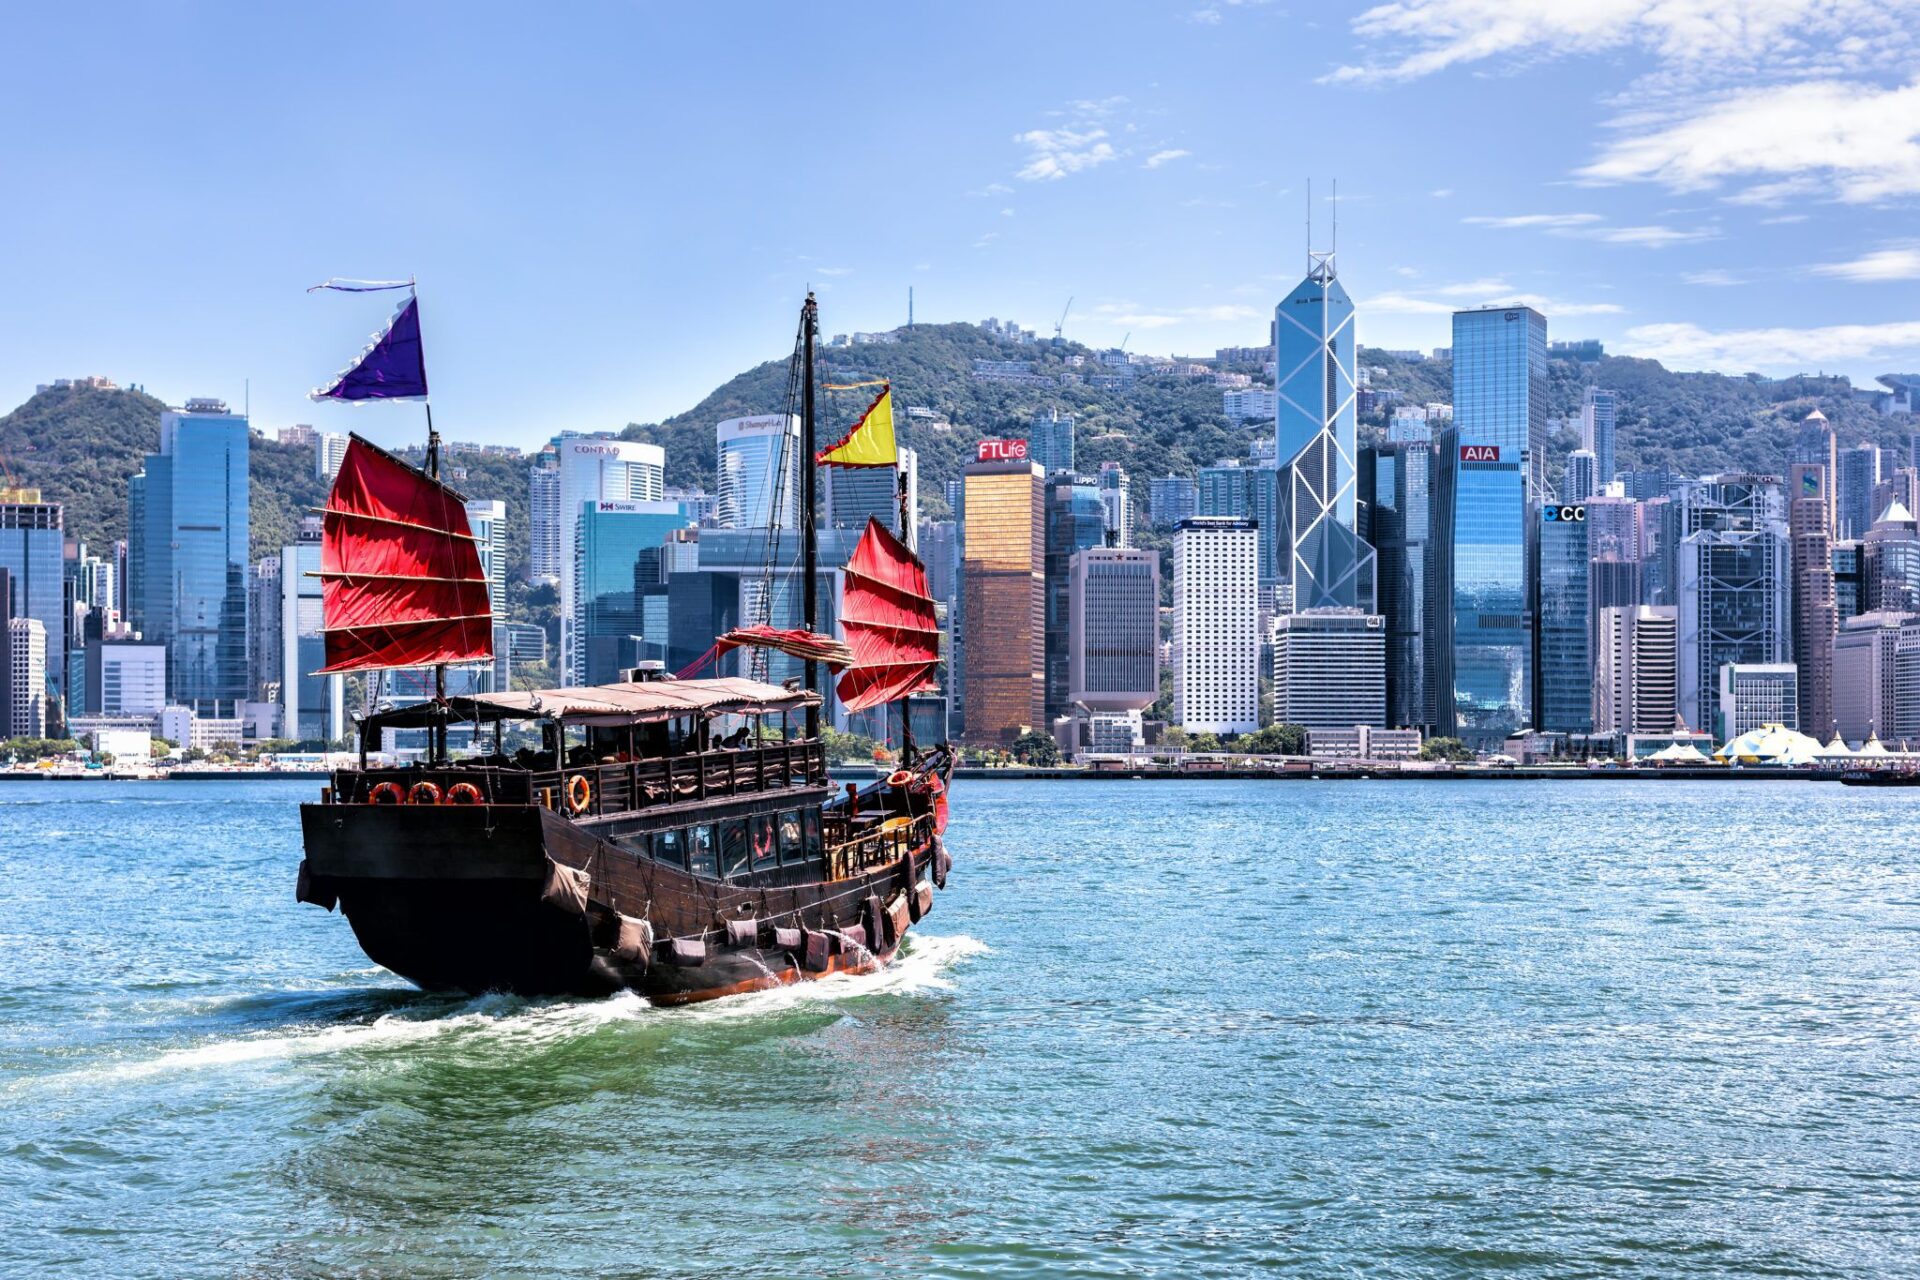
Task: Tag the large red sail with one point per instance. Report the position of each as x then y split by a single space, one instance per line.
403 583
889 620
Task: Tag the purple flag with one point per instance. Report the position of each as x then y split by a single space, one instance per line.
393 368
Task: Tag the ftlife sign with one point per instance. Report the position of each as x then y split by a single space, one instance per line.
1002 451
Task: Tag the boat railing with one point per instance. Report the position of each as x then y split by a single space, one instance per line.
858 846
611 786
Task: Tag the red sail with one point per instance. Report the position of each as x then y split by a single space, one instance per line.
889 622
403 583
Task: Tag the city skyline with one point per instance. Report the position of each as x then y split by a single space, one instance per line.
1624 201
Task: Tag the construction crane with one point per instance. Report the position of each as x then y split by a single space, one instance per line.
1061 323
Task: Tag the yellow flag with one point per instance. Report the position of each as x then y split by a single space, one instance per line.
870 442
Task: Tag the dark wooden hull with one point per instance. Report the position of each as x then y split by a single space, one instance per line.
1880 778
454 898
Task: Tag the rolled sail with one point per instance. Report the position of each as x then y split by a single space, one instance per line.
889 620
403 586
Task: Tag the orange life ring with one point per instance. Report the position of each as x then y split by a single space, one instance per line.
899 778
423 792
463 793
579 793
387 793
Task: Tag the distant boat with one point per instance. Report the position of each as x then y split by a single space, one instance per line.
634 843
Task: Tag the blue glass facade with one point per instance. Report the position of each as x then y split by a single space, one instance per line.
1565 659
607 611
1327 564
30 553
1247 491
189 523
1050 442
1493 462
1076 520
1396 500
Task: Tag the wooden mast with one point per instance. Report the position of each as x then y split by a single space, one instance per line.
809 551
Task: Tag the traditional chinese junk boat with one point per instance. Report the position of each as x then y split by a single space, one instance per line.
675 837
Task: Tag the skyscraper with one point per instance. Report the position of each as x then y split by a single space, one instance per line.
1113 629
1734 607
1050 442
1599 412
329 452
1815 621
31 551
850 495
189 523
1003 590
1815 442
759 469
1564 662
1890 563
596 469
1244 490
311 706
1330 669
1859 477
1216 596
543 516
1171 499
1580 482
1637 670
1492 463
1396 487
487 517
1076 520
1324 559
1116 495
607 619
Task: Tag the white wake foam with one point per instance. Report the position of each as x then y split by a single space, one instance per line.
507 1021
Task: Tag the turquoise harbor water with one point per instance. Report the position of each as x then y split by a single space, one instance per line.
1195 1029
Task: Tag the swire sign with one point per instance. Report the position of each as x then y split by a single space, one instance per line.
1479 453
1002 451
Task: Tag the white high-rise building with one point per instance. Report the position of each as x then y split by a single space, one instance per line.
329 451
487 517
1116 495
758 471
1636 678
1113 629
543 519
133 678
598 469
311 706
1216 647
27 651
1330 669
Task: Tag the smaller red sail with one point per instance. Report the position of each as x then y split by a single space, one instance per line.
889 620
402 583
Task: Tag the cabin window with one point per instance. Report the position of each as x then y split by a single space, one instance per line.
793 846
810 822
668 847
766 850
733 847
700 850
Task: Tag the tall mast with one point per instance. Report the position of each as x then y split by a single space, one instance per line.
809 551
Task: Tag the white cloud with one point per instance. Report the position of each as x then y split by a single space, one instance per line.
1533 220
1688 346
1205 17
1130 315
993 189
1715 278
1457 297
1055 153
1427 36
1159 158
1441 193
833 271
1648 237
1857 142
1883 264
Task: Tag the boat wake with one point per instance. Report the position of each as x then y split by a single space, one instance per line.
513 1023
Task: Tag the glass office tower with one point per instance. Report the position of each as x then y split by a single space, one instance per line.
31 540
1492 469
1245 490
1565 658
1326 562
1076 520
608 626
188 523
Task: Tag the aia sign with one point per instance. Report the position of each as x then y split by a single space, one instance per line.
1479 453
1002 451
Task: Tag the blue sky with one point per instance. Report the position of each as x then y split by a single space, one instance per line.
613 210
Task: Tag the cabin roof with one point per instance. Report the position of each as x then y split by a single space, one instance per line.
612 704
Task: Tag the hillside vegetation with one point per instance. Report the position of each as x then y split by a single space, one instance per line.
81 444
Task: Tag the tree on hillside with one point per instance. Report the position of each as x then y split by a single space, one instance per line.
1275 740
1452 749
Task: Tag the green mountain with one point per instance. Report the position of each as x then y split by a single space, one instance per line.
80 444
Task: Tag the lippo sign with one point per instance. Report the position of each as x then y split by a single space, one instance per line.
1002 451
1479 453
